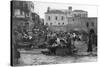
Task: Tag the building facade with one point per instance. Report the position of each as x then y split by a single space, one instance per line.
21 15
65 20
60 17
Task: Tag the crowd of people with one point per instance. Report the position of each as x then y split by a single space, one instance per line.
62 40
67 39
54 40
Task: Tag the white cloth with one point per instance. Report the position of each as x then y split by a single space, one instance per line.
30 37
58 41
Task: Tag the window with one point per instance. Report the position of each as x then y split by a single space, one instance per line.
48 17
56 17
62 18
58 23
75 15
26 6
92 24
17 12
63 23
23 13
87 24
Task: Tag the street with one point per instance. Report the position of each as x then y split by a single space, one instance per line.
31 58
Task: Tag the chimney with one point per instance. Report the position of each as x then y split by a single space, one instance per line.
48 9
70 8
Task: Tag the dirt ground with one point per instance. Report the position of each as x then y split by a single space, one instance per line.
31 58
35 57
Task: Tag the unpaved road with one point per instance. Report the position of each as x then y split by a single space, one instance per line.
28 58
34 57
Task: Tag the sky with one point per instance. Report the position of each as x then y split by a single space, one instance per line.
41 7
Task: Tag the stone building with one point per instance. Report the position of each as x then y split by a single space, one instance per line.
66 20
60 17
21 15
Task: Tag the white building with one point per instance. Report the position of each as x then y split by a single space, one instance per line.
60 17
66 20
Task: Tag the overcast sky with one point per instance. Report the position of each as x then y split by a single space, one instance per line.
41 7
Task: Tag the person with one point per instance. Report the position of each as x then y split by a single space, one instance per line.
90 41
58 40
69 44
51 42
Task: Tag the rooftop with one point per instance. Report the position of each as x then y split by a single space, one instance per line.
79 11
55 11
